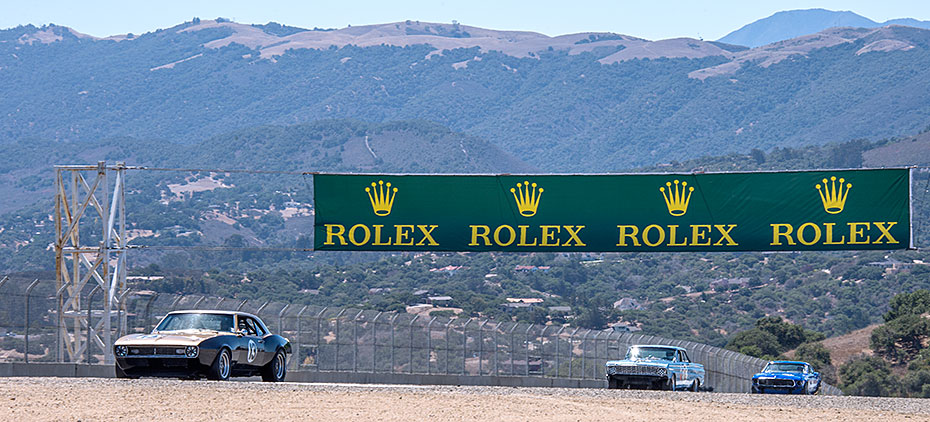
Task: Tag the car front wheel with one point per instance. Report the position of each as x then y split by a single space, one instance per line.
275 370
222 366
670 384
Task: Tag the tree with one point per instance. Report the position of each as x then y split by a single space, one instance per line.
902 338
915 303
755 342
591 318
870 376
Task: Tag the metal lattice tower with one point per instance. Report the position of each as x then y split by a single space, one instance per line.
79 204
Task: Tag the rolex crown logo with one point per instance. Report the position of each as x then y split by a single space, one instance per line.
527 197
833 195
677 200
381 196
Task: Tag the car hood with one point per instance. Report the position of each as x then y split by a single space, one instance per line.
639 362
780 375
181 338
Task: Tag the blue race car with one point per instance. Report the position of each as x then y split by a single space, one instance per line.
655 367
786 377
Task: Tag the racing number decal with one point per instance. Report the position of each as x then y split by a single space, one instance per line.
253 351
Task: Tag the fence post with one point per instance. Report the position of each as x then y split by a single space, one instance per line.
465 346
584 351
281 318
28 292
526 336
513 351
571 351
448 346
542 354
374 342
597 360
393 328
58 342
410 370
260 308
319 337
494 336
146 314
90 302
299 332
558 363
429 346
120 314
241 304
336 360
220 302
355 341
199 301
175 303
481 346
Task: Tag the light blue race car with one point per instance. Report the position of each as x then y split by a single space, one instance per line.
655 367
786 377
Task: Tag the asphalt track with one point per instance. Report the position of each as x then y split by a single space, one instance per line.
97 399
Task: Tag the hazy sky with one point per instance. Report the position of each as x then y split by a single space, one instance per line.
651 19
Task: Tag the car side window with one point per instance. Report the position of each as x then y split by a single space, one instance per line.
684 356
258 328
245 324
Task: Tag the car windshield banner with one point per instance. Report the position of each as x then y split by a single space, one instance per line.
760 211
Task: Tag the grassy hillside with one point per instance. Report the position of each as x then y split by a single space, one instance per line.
555 104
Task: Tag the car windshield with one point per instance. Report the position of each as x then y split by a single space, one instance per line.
784 367
649 353
196 321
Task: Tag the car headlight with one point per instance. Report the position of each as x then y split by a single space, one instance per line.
122 351
192 351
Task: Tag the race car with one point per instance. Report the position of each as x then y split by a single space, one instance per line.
212 344
655 367
786 377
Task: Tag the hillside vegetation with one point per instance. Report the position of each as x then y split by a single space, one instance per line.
586 102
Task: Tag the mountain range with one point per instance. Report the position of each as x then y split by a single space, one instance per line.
796 23
580 102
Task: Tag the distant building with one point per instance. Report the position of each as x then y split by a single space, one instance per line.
529 268
727 283
565 309
623 327
439 300
448 270
530 300
626 304
891 263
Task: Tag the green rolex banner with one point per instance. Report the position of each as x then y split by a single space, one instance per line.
761 211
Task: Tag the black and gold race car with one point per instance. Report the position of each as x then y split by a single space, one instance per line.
194 344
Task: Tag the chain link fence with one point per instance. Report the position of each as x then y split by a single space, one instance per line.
356 340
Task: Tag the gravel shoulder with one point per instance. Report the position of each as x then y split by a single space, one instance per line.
93 399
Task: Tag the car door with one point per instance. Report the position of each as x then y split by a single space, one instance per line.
686 373
679 368
694 370
249 343
265 348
